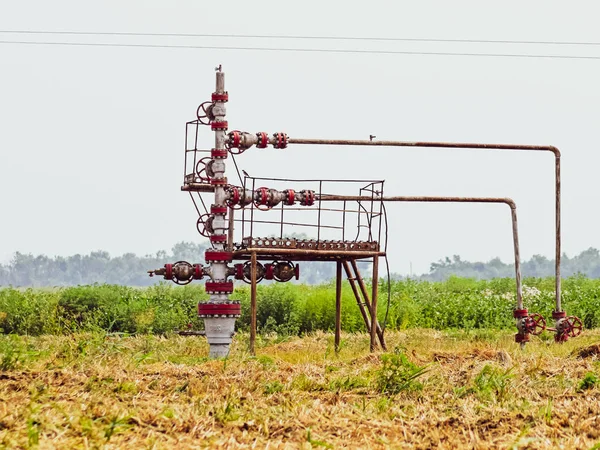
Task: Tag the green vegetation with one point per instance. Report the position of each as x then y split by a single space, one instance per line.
289 309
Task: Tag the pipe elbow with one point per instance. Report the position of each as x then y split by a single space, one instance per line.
510 202
555 150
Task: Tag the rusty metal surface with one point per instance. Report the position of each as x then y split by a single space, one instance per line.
198 187
264 254
309 244
338 305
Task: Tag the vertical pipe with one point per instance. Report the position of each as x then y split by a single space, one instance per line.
515 230
558 234
319 213
375 286
253 303
338 304
281 230
344 222
230 230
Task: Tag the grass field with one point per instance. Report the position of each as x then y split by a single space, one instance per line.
433 389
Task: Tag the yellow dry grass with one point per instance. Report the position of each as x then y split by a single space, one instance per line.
479 391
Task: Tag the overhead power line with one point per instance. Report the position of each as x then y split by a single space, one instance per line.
292 37
302 50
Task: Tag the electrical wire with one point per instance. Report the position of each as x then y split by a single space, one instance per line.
304 50
300 37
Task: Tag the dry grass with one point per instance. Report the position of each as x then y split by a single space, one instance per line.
479 391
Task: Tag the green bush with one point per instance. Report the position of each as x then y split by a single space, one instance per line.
291 309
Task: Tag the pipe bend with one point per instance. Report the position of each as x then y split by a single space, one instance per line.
554 150
510 202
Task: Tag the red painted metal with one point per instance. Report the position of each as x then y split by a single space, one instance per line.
219 309
218 181
216 97
218 238
269 268
218 209
218 153
219 125
221 287
291 197
263 140
218 256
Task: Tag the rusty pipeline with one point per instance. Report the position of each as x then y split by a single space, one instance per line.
476 146
427 199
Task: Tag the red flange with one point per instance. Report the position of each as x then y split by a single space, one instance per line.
218 256
219 125
229 309
263 199
269 269
281 140
218 153
234 139
309 198
239 271
521 338
218 181
198 272
168 271
297 271
219 287
263 140
290 197
218 238
520 313
218 209
556 315
215 97
235 196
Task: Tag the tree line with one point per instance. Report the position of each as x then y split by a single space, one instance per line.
28 270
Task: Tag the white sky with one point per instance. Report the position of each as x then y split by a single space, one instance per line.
91 139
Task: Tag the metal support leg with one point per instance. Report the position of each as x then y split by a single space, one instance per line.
375 287
253 304
363 290
338 305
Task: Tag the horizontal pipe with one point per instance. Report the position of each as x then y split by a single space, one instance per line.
465 145
471 145
508 201
400 198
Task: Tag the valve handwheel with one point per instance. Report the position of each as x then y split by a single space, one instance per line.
535 324
574 326
188 268
283 271
204 166
260 272
204 113
204 225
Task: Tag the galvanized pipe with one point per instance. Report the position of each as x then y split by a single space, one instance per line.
467 145
421 199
